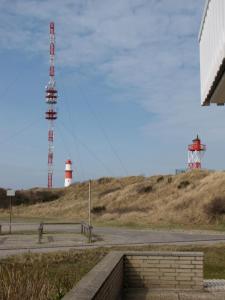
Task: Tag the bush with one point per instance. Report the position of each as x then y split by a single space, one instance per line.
216 207
104 180
145 189
4 200
98 209
159 179
183 184
125 209
32 196
28 197
169 180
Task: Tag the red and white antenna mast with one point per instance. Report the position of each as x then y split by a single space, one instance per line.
195 154
51 100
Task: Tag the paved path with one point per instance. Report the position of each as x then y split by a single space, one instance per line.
213 290
140 294
58 237
143 236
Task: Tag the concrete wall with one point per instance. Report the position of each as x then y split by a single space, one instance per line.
104 281
180 270
112 287
176 270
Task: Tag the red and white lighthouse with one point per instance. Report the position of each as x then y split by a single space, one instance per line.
68 173
195 154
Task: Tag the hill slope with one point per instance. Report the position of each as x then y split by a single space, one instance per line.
189 198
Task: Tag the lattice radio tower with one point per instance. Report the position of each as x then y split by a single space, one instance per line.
51 100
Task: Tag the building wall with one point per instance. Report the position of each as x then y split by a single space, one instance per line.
212 52
118 271
104 281
180 270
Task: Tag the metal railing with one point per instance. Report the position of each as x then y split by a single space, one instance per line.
85 229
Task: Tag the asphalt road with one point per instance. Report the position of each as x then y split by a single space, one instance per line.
24 238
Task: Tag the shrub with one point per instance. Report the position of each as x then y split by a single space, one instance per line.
98 209
104 180
169 180
183 184
4 200
145 189
159 179
125 209
216 207
32 196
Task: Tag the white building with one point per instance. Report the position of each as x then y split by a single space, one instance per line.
212 53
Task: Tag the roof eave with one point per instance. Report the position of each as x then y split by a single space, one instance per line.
203 19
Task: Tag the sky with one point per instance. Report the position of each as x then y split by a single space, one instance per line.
127 74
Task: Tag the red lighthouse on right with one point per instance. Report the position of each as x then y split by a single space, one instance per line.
195 153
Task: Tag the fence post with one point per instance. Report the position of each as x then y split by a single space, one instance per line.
89 205
90 234
40 233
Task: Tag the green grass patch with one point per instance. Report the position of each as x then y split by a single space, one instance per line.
220 226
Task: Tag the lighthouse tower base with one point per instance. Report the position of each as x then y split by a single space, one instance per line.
68 182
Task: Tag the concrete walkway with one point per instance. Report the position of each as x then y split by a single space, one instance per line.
25 238
172 295
214 289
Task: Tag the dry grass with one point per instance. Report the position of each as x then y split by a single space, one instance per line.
34 283
52 275
44 276
170 199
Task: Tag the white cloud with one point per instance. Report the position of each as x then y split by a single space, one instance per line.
147 47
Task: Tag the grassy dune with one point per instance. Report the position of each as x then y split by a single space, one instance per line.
193 198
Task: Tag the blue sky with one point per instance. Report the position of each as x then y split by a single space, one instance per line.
127 74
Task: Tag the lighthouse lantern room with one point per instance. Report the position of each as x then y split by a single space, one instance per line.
195 153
